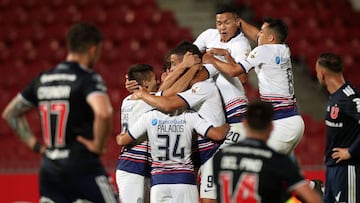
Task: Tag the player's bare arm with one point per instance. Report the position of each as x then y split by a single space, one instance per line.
14 114
164 103
183 82
249 30
218 133
103 112
305 194
177 70
123 139
230 67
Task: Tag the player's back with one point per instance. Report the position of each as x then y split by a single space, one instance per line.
61 95
170 138
253 165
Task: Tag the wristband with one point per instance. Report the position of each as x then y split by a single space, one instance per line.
37 147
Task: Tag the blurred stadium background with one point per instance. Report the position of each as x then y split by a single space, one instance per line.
32 39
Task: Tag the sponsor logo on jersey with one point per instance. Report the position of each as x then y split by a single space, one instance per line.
277 60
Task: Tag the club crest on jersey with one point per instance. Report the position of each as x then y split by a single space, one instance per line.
334 112
195 89
252 54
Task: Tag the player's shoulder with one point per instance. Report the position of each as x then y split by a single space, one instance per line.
210 33
349 90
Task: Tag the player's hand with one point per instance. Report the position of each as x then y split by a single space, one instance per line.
138 93
340 154
91 145
190 59
164 75
130 85
208 58
218 51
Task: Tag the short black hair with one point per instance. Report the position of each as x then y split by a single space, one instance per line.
184 47
226 8
279 27
82 36
259 115
331 62
140 72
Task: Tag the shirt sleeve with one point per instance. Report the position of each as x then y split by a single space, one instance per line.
255 59
94 83
200 41
29 93
201 126
196 95
137 129
211 70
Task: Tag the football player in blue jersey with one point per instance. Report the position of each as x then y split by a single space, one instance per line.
342 181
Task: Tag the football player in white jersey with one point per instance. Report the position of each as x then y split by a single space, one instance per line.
229 37
170 138
134 161
272 63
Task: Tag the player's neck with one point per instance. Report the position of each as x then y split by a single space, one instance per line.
82 59
334 83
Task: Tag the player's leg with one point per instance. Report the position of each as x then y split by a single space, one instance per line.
94 186
287 134
160 193
53 187
207 185
342 184
130 186
184 193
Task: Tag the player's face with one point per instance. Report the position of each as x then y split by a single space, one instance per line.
227 25
263 35
152 84
174 61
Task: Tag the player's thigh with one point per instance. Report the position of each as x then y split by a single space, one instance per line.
342 184
93 187
53 187
130 186
174 193
207 185
286 134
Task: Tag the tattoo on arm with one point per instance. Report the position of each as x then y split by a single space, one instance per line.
17 120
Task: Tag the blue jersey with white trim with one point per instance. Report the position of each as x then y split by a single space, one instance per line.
343 123
61 94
